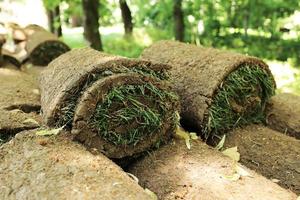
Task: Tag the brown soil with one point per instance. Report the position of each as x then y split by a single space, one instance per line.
174 172
197 72
272 154
55 167
283 114
19 101
67 78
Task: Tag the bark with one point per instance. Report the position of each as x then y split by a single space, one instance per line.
51 17
126 17
270 153
58 29
175 172
178 20
283 114
39 167
91 23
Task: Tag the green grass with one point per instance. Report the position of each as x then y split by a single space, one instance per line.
130 113
240 100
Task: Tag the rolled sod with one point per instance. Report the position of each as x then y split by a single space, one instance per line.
283 114
219 90
270 153
19 103
43 47
32 28
55 167
119 106
202 173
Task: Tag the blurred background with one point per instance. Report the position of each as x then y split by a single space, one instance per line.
269 29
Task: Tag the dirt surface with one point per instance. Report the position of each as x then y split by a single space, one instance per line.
19 101
77 78
38 167
197 72
174 172
283 114
272 154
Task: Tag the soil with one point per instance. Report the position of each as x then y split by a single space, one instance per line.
283 114
175 172
197 73
19 101
55 167
272 154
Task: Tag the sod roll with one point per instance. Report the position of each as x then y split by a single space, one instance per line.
219 90
43 47
19 103
32 28
272 154
117 105
202 173
36 167
283 114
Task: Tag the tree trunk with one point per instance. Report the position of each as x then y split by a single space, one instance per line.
178 20
50 15
91 23
126 17
57 25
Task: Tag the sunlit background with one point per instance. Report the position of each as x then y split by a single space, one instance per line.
275 39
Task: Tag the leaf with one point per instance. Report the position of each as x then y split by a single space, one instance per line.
31 121
274 180
151 194
232 153
49 131
193 136
184 135
221 143
233 177
242 172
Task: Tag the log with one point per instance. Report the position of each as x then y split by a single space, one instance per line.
55 167
270 153
175 172
120 106
219 90
283 114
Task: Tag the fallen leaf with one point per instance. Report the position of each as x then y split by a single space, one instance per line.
193 136
233 177
241 171
232 153
184 135
31 121
221 143
151 194
49 131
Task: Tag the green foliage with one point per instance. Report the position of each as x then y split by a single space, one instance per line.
240 100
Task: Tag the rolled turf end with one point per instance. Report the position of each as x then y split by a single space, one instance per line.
240 100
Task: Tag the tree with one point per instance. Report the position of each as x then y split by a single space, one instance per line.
91 23
53 13
50 15
57 21
126 17
178 20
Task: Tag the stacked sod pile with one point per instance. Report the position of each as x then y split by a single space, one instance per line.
119 106
219 90
43 47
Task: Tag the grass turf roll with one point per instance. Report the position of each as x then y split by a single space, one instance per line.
117 105
271 153
283 114
202 173
219 90
55 167
43 47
